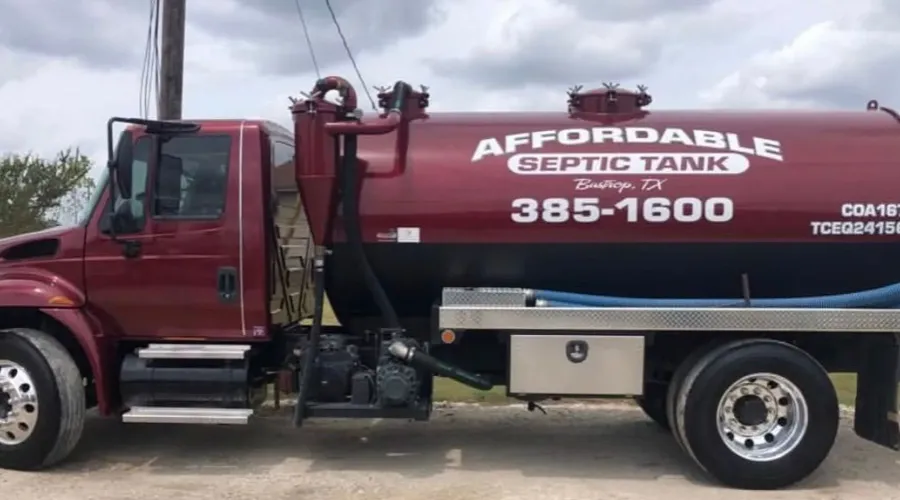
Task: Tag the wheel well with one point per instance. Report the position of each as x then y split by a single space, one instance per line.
16 317
837 352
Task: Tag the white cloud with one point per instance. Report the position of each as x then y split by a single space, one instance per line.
474 55
839 62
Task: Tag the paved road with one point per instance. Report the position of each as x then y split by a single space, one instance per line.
465 453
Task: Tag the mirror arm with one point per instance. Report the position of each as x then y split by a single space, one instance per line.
110 178
111 188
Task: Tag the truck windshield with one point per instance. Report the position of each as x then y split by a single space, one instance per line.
88 208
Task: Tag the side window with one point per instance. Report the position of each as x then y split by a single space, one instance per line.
283 167
283 178
282 154
192 178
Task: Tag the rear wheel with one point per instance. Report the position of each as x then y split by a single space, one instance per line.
758 415
41 400
678 380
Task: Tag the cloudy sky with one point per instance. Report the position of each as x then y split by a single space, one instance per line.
67 65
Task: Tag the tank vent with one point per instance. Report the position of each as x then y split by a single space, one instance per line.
608 100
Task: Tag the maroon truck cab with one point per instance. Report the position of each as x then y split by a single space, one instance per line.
197 266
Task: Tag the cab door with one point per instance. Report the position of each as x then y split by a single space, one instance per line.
177 275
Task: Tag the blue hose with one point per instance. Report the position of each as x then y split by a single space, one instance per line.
887 297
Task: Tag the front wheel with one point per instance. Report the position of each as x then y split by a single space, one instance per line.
758 415
41 400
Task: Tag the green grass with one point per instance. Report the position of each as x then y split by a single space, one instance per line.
845 385
449 390
328 317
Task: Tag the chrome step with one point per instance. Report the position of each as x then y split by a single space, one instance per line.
202 416
485 296
194 351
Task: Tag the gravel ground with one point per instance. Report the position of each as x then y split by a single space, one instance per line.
607 452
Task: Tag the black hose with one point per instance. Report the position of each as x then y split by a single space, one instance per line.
350 199
312 348
425 361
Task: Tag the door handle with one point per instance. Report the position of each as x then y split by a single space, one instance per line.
227 284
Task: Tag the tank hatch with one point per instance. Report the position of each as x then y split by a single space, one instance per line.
609 102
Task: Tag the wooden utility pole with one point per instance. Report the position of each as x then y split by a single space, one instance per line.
172 63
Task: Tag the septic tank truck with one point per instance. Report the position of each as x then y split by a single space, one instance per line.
715 266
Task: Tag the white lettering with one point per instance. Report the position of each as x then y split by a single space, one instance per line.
513 141
487 147
855 228
870 210
878 219
607 134
724 141
606 184
709 139
574 136
767 148
641 135
541 137
654 210
628 164
676 136
585 184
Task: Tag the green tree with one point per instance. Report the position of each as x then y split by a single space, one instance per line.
37 193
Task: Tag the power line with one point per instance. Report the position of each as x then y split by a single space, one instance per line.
142 92
309 45
350 54
155 76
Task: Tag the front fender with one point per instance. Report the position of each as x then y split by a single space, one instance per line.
29 287
90 336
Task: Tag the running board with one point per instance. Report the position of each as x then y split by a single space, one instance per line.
202 416
194 351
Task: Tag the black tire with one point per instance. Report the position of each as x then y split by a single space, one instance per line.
653 402
675 389
60 399
709 380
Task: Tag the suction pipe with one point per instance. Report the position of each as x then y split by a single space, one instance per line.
420 359
349 178
383 125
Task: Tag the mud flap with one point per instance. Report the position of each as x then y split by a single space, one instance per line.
876 391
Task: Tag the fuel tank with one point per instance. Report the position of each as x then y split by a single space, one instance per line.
662 204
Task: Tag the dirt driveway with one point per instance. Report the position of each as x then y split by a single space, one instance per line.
465 453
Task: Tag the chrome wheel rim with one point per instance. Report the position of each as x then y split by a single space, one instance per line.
18 403
762 417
